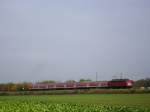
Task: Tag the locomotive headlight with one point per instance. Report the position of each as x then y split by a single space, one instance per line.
129 83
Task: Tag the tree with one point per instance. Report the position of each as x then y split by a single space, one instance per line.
46 81
2 87
147 82
70 81
142 83
85 80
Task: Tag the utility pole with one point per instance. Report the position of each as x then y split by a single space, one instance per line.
121 75
96 76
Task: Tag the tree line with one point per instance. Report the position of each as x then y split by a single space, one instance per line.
27 85
15 86
142 83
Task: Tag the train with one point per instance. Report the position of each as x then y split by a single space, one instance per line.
114 83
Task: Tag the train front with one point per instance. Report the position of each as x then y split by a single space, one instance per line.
120 83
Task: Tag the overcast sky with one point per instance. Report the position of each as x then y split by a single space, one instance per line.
73 39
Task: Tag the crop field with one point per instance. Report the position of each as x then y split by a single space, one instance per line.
77 103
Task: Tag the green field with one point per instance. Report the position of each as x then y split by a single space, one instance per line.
77 103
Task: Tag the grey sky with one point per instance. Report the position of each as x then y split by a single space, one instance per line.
73 39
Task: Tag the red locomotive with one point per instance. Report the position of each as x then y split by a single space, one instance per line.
115 83
120 83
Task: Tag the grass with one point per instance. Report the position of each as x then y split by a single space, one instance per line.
77 103
140 100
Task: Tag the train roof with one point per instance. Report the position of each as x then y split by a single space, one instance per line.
119 79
